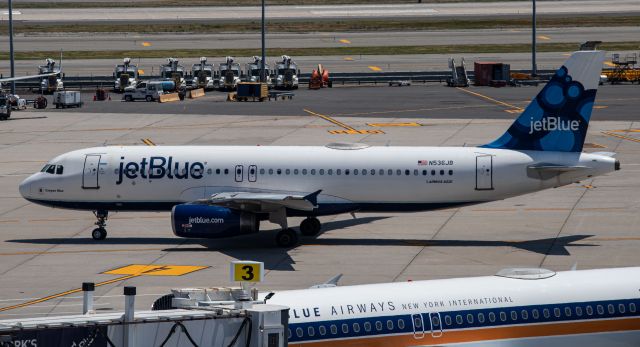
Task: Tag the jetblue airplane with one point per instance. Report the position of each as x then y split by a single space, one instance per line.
514 308
223 191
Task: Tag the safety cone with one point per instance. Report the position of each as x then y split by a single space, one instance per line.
94 98
109 97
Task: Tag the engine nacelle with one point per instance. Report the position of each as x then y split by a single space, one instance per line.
211 222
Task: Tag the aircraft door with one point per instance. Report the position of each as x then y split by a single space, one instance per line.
239 173
436 324
253 173
418 325
91 172
484 172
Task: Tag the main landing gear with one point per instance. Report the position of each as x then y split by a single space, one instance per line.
288 237
100 233
310 226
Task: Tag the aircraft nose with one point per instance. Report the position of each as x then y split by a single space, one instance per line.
25 188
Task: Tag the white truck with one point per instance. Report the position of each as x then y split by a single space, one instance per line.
203 75
149 91
253 70
51 83
229 74
125 74
286 74
172 71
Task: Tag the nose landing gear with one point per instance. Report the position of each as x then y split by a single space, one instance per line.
100 233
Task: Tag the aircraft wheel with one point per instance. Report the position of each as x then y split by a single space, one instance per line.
287 238
310 226
99 234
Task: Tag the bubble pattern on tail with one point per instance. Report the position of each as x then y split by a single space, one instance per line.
556 120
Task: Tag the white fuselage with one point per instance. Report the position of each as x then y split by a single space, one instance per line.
589 308
366 179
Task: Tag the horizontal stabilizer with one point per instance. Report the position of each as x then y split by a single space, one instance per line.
332 282
606 154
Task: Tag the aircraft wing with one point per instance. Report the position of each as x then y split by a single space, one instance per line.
264 202
20 78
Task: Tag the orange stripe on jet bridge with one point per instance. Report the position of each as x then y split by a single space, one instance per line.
487 334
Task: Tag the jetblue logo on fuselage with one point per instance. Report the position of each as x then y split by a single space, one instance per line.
552 124
159 167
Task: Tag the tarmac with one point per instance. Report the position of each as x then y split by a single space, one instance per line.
45 254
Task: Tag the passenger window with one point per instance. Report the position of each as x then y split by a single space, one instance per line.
546 313
492 317
579 311
514 315
399 172
218 171
390 324
345 328
364 172
299 332
311 331
567 311
450 172
279 171
459 319
401 323
346 172
355 172
334 329
338 172
415 172
406 172
287 172
433 172
330 172
480 318
424 172
51 169
313 171
441 172
524 314
390 172
417 322
59 170
632 308
378 325
611 309
589 310
304 171
470 318
356 327
503 316
535 313
367 326
226 171
321 172
373 172
295 171
621 308
447 320
322 330
381 172
270 172
289 333
209 171
556 312
600 309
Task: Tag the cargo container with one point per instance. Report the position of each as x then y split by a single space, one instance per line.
486 72
67 98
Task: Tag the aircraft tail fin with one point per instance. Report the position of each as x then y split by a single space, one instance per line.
558 117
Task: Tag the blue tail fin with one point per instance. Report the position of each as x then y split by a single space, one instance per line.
558 117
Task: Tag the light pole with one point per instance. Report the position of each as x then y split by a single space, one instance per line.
13 71
534 68
263 76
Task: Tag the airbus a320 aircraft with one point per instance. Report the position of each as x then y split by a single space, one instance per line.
515 308
222 191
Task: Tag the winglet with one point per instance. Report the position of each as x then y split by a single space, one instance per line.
313 197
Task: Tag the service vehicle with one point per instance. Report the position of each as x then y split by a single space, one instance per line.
173 71
67 98
149 91
229 74
203 75
125 74
253 70
52 82
286 73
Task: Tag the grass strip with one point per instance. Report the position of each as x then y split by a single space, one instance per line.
320 51
328 25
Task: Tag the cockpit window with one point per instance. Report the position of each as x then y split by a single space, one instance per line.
59 170
45 168
51 169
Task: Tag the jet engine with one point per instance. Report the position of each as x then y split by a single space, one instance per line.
211 222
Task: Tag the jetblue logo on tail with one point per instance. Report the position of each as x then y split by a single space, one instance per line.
553 124
558 117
